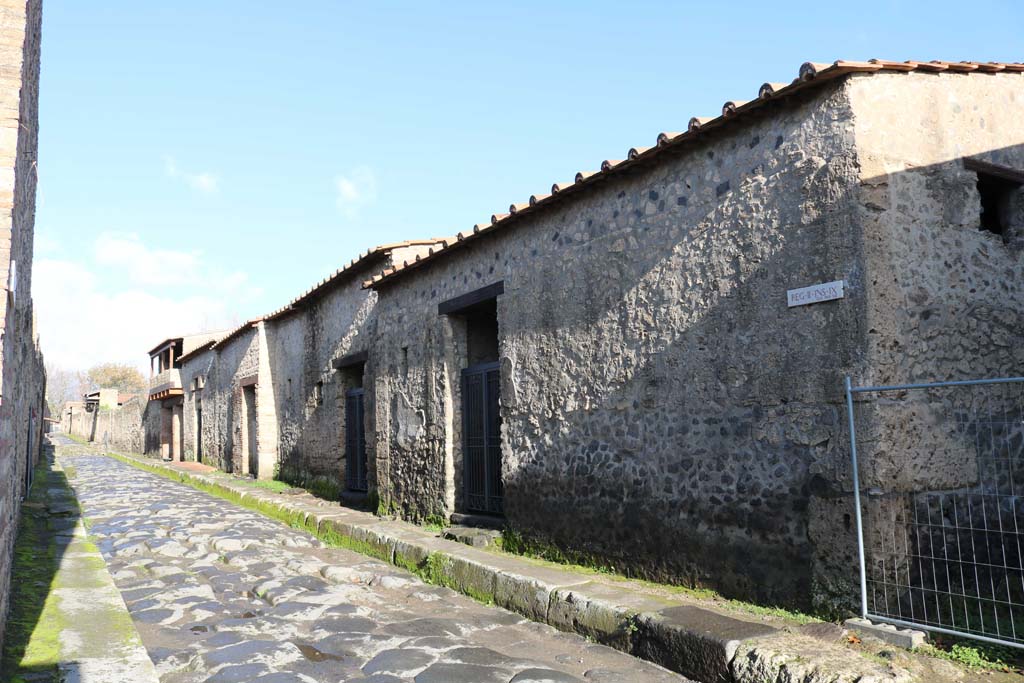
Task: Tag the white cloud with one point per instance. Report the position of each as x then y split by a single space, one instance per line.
143 265
355 190
129 297
204 181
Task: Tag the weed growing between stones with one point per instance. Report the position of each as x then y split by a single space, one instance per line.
975 655
321 486
436 523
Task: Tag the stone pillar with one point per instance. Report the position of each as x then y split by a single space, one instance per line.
176 424
165 432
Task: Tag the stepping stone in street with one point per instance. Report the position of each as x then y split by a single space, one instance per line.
462 673
402 663
543 676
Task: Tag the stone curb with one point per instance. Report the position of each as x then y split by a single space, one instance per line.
699 643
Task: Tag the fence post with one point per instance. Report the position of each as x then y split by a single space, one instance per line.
856 502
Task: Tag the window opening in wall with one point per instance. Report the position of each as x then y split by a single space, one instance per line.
405 361
318 393
1002 199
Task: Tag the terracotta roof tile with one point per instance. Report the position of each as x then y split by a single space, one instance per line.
697 121
730 107
810 74
768 89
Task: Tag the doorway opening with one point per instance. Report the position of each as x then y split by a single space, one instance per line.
198 436
250 458
481 416
355 428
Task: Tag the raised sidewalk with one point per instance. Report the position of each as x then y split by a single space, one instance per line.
699 638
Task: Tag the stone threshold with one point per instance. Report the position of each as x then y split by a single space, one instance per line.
679 633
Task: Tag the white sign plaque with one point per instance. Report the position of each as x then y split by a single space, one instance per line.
827 291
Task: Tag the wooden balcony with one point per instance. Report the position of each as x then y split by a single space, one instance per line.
165 384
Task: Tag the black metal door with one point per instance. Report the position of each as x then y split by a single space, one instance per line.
481 438
355 441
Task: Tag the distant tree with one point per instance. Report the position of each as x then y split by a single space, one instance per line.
120 376
62 386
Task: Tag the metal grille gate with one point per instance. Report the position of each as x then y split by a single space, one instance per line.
481 430
355 442
941 517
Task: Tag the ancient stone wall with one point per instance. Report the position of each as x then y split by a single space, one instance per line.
234 371
308 389
121 428
200 440
22 377
658 398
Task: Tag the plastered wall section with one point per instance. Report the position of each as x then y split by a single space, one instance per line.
658 398
944 302
22 378
946 297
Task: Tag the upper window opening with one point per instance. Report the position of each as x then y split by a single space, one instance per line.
1002 198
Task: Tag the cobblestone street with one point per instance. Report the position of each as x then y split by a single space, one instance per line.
220 593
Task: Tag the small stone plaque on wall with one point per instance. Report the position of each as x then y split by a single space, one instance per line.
827 291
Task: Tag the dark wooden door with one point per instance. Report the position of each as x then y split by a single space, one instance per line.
199 431
481 438
355 441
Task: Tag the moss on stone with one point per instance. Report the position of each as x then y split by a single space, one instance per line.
34 624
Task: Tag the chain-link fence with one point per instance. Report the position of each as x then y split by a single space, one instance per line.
938 479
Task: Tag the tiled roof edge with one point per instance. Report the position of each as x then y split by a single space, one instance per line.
374 252
205 346
236 332
295 303
811 74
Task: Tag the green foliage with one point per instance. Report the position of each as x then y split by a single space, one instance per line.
515 542
976 656
386 507
436 523
270 485
321 486
120 376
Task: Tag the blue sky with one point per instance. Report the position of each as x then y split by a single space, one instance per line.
203 162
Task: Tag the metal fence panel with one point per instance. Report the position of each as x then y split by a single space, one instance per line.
937 488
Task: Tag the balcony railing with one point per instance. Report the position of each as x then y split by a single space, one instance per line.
166 383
